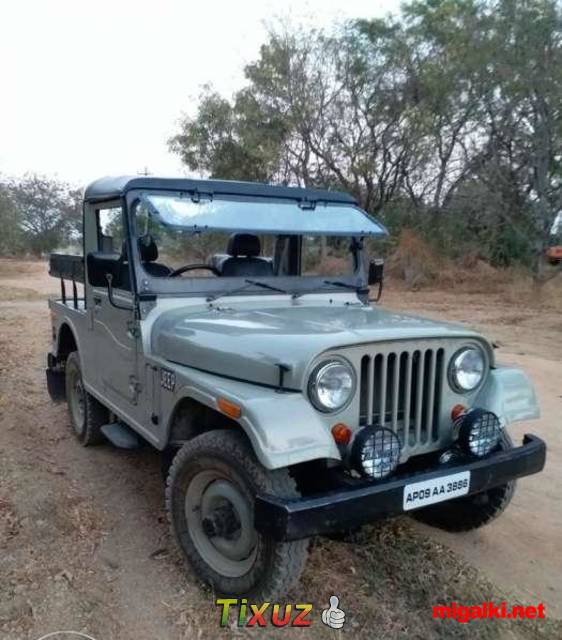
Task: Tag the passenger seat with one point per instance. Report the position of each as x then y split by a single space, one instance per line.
243 258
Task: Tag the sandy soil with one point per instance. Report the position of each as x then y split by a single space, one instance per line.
84 543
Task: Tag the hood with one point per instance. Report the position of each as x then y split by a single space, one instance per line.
250 343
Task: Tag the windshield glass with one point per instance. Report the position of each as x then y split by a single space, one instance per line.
216 247
260 216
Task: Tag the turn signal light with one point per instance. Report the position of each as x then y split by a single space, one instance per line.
229 408
457 411
341 433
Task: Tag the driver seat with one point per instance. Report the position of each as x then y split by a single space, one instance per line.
148 251
243 258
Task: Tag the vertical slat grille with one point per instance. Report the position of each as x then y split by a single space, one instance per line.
402 390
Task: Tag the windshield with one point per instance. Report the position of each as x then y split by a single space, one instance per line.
260 216
220 247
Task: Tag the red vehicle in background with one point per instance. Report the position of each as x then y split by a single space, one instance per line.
554 254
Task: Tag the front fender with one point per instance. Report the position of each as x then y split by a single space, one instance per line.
283 427
510 394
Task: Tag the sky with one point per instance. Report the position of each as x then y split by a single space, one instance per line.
96 87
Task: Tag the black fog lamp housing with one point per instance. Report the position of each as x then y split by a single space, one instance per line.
479 432
375 452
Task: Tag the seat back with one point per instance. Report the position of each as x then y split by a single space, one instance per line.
243 258
148 250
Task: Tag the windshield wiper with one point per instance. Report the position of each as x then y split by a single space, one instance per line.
345 285
248 284
216 296
264 285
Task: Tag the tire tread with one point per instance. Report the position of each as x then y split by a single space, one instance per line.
287 559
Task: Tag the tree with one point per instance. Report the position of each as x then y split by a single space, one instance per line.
228 141
308 116
46 214
11 240
449 116
71 213
524 109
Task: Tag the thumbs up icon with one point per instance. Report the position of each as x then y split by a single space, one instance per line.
333 617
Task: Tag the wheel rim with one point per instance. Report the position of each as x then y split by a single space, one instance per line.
77 402
220 522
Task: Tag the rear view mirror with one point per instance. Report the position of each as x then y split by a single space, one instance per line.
100 265
376 276
376 271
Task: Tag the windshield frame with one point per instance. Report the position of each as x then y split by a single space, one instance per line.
358 221
148 285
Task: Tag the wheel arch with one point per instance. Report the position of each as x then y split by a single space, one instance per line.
66 341
191 417
283 428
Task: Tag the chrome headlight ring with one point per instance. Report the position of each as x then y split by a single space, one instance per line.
467 369
332 385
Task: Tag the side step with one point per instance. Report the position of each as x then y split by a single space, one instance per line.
121 436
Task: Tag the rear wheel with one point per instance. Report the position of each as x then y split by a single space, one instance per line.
210 494
474 511
87 415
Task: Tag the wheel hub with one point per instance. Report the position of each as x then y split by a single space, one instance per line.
220 520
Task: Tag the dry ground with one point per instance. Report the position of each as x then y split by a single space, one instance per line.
84 544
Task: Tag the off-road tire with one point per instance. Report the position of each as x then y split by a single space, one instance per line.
88 429
166 458
277 565
470 512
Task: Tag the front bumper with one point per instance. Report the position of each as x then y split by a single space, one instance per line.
292 519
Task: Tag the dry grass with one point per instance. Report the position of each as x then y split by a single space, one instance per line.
415 267
18 293
12 267
387 579
390 577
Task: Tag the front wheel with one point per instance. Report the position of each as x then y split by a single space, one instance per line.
210 494
470 512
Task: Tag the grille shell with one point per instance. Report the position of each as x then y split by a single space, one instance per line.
403 385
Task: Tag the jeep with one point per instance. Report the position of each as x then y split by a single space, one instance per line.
230 326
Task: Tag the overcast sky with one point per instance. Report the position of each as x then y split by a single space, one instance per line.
96 87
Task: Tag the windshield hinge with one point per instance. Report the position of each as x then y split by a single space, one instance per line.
307 204
197 196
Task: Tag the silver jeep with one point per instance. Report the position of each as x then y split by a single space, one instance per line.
229 325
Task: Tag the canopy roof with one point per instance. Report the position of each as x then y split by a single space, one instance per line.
114 187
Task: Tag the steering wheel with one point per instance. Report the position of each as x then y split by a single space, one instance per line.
193 267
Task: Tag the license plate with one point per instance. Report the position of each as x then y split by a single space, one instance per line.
420 494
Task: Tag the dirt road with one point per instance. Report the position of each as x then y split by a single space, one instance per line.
523 549
84 544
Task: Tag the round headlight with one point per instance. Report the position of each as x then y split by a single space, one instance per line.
376 452
479 432
331 385
467 369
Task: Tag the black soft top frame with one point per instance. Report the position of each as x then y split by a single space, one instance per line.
111 188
